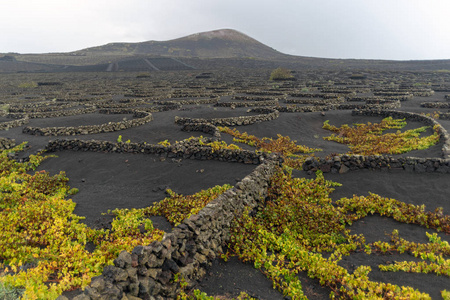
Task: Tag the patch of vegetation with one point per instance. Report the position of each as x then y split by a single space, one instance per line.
177 207
28 85
368 139
8 293
283 145
5 108
300 226
143 75
42 243
281 74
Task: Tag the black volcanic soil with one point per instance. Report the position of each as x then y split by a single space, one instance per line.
107 181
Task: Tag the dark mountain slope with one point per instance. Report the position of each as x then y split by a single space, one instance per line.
224 43
206 50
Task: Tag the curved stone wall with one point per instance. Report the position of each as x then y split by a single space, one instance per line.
267 114
344 163
184 149
444 136
203 127
6 143
315 101
12 124
345 106
189 102
313 95
143 117
444 116
40 108
247 103
435 104
253 98
53 114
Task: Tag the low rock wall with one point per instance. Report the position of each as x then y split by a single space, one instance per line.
40 108
266 114
345 106
315 101
14 123
313 95
53 114
422 93
247 103
263 93
187 95
435 104
141 118
365 98
344 163
203 127
444 116
117 105
253 98
392 93
6 143
148 271
190 101
183 149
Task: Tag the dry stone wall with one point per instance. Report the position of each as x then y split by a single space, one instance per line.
266 114
253 98
313 95
203 127
6 143
190 102
148 271
247 103
345 163
12 124
315 101
435 104
444 116
52 114
444 136
184 150
40 108
316 108
141 118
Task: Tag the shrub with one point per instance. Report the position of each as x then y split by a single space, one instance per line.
281 74
143 75
28 85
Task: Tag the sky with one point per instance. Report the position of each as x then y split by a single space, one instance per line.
361 29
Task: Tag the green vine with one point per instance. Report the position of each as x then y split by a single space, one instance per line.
368 139
299 224
42 243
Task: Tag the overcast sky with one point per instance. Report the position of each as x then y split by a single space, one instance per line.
373 29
